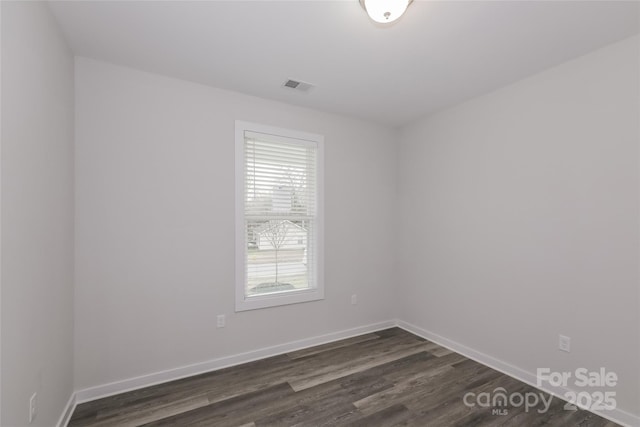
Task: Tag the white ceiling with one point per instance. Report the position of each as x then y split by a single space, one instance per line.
438 54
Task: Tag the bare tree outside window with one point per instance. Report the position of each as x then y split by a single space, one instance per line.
276 234
297 180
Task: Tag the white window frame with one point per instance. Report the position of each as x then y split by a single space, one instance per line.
253 302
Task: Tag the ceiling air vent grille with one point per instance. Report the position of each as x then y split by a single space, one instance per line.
297 85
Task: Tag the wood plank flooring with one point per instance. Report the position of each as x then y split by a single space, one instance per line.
387 378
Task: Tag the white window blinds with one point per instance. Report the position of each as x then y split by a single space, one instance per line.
280 214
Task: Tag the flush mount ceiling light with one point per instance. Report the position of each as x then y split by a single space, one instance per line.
385 11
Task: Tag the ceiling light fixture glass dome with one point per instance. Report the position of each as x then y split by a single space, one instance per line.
385 11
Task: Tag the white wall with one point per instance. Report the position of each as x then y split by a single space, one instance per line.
37 215
155 224
520 220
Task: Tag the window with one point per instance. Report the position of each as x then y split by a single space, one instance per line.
279 221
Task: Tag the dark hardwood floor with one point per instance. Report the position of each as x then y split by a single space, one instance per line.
386 378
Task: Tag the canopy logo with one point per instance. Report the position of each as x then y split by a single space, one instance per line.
500 401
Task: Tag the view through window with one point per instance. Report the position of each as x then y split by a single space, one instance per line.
280 214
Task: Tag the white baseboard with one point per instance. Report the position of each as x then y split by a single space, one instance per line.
617 415
88 394
130 384
68 411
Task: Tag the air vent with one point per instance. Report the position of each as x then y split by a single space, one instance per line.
298 85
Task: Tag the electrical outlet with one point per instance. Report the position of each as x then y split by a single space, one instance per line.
564 343
354 299
33 408
222 321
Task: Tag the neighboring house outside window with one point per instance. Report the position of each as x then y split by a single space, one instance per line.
279 216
